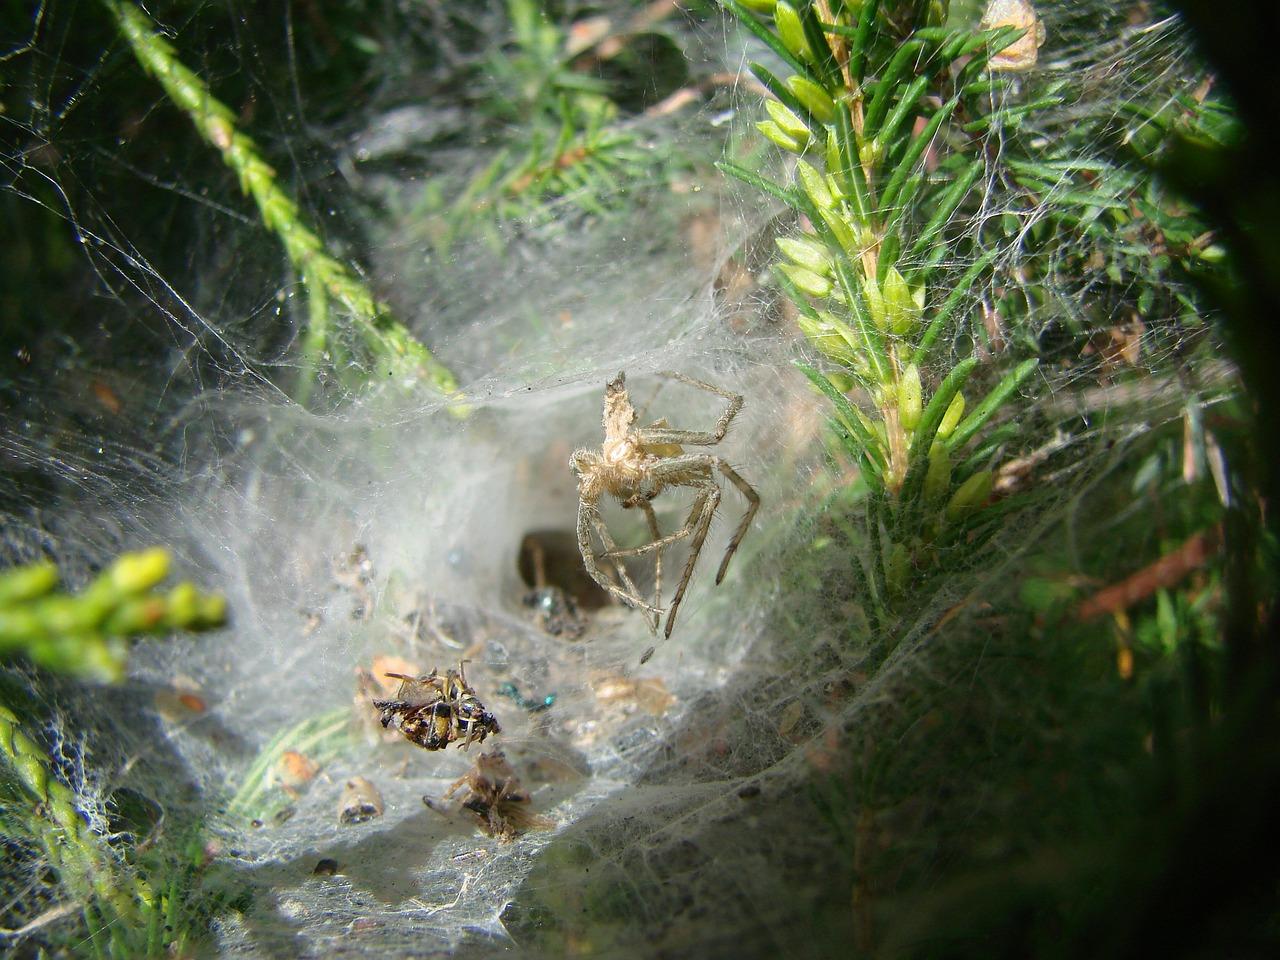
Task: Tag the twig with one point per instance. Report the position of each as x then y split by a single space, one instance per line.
324 277
1165 572
85 867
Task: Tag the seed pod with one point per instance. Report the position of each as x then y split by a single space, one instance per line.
787 121
776 135
909 398
955 410
971 495
815 185
937 479
813 97
806 280
1023 53
791 31
806 253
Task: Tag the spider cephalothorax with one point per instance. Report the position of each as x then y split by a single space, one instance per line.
634 466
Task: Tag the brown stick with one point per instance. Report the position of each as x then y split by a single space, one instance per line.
1165 572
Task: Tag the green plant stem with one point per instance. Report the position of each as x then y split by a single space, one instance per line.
85 866
325 278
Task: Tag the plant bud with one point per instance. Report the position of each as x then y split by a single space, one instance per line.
838 225
776 135
135 572
786 120
874 300
870 153
63 616
806 280
955 410
815 185
103 659
183 605
791 31
971 495
213 610
909 398
832 153
897 568
27 583
807 253
814 98
18 625
136 616
937 480
822 336
901 309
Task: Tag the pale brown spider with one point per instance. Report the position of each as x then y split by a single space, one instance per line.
634 466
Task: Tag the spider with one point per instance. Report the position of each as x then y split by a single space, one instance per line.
634 466
433 711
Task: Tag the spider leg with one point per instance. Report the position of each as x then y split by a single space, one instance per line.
687 470
660 541
753 504
589 518
656 434
656 533
711 500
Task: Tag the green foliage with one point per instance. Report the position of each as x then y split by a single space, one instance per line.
1092 226
84 633
886 112
392 348
563 144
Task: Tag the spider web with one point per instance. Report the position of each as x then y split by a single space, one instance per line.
710 799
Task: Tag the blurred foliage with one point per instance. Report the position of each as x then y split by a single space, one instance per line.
84 633
553 106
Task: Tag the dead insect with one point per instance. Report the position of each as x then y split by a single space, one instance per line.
555 611
434 711
360 801
636 464
496 799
